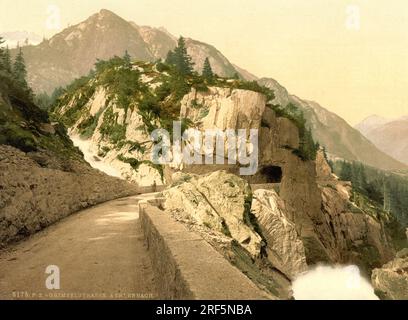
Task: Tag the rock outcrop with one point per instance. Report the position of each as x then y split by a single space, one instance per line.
119 137
225 218
225 211
100 107
284 247
323 170
224 108
391 281
355 235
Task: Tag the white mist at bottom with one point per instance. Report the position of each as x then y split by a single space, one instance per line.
333 283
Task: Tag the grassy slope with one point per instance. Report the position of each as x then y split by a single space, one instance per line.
22 124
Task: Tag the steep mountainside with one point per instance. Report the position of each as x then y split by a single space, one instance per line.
334 133
245 74
370 123
73 52
26 127
390 136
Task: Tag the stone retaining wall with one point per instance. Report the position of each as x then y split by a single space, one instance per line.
186 266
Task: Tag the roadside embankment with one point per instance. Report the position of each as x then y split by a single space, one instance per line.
36 191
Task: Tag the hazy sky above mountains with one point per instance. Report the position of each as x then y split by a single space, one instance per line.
351 56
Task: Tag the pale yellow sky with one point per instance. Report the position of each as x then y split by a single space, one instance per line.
317 49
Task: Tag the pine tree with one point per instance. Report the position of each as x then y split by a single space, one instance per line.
127 59
7 61
19 70
345 173
180 58
2 67
207 71
308 147
183 60
170 58
387 196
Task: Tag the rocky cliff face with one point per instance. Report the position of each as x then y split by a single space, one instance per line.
284 247
116 135
224 108
109 151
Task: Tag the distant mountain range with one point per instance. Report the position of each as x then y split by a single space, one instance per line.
22 38
334 133
390 136
73 52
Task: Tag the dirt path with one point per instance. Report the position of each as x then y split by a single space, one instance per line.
99 251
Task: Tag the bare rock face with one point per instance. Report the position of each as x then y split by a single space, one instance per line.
323 170
224 108
33 196
284 247
288 133
356 236
391 281
219 201
101 147
348 233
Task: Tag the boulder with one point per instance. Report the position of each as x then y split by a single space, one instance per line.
219 201
391 281
284 247
47 128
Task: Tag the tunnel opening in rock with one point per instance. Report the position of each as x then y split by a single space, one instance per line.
273 174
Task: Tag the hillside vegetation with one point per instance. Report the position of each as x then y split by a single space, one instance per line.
23 124
379 193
